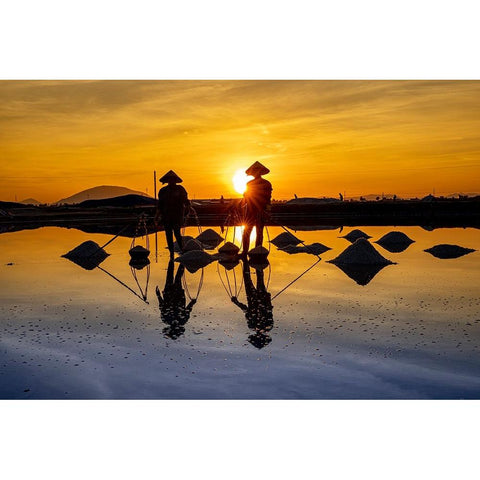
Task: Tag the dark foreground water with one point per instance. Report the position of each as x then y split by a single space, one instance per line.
412 331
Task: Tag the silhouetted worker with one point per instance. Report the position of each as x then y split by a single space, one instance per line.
172 206
259 311
256 201
173 309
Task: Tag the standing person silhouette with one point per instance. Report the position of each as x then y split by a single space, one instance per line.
173 305
259 311
172 206
256 201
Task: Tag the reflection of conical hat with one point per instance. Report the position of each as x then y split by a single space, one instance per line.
257 169
170 176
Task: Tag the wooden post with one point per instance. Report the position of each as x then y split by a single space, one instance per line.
156 233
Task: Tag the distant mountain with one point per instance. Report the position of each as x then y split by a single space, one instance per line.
123 201
30 201
99 193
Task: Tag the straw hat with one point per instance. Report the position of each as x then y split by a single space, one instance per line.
257 169
170 176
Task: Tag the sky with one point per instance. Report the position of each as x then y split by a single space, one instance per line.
318 138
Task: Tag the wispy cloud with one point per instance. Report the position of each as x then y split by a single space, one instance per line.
326 129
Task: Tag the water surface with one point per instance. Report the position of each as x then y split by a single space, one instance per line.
413 331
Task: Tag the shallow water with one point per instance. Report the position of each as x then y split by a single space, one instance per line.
412 332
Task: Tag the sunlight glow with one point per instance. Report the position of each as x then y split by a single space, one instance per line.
240 179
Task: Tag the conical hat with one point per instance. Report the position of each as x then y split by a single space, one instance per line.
169 176
257 169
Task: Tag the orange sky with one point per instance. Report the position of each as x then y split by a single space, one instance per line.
318 138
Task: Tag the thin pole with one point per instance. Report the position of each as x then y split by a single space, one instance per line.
155 193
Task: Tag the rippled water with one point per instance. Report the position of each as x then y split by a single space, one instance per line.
413 331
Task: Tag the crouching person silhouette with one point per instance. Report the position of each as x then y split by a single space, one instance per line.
173 308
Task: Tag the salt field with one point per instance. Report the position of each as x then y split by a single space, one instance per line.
406 329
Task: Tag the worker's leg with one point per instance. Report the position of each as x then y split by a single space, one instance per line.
178 236
246 238
259 228
169 279
169 235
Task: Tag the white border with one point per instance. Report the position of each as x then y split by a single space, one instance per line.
239 40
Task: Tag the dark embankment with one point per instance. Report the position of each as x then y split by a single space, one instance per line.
110 215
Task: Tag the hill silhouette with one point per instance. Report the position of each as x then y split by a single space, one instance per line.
131 200
99 193
30 201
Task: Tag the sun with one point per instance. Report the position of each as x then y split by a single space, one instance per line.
240 179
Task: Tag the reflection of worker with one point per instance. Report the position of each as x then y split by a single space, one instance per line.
259 311
257 198
173 309
172 206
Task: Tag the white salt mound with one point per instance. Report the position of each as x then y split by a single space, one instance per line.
228 249
362 252
85 249
395 238
284 239
192 245
355 235
259 251
195 259
88 255
185 239
316 248
290 249
448 251
209 236
229 264
138 253
259 264
313 248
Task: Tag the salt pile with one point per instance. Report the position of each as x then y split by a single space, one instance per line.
392 238
87 255
138 249
259 252
192 245
313 248
290 249
228 250
139 263
354 235
229 264
448 251
210 239
195 259
284 239
259 263
395 242
139 253
185 239
361 274
361 252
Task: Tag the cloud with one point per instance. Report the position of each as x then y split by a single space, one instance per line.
322 126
